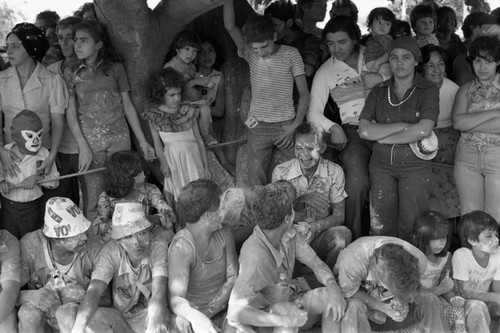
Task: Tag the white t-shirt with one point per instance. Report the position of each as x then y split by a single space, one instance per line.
466 268
447 94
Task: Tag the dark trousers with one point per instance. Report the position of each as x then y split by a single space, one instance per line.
355 159
19 218
400 186
68 188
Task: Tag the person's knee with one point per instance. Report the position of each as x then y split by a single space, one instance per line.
65 315
30 316
338 237
476 312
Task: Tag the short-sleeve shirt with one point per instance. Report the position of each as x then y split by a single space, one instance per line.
433 272
328 179
422 103
265 275
466 268
447 94
10 258
36 267
353 262
272 80
98 92
131 286
45 94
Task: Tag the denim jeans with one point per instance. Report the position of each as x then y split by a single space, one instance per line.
261 145
400 187
477 176
355 159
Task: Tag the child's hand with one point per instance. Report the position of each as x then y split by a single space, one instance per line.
4 187
84 158
30 182
147 150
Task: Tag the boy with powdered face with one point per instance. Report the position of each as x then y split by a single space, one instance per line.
319 209
22 210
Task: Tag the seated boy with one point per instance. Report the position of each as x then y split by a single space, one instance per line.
274 69
476 269
320 194
202 260
380 278
264 295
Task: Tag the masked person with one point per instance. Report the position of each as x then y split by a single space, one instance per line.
56 264
22 210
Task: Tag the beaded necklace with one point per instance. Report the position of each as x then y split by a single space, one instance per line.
404 100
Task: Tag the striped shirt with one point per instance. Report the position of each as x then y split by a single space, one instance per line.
272 80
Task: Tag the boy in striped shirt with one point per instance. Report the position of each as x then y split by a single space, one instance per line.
274 69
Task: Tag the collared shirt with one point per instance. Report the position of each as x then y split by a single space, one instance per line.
10 257
98 92
28 167
344 84
328 179
45 93
421 102
265 275
353 262
272 79
132 286
37 268
482 98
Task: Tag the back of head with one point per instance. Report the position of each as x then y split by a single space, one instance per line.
430 225
196 198
401 28
258 29
344 8
121 169
272 203
422 11
162 81
400 268
475 20
49 16
68 22
472 224
343 24
282 10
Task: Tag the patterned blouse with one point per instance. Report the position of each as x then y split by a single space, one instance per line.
171 122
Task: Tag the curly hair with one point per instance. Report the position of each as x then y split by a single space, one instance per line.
272 203
400 268
162 81
258 29
472 224
107 54
486 47
429 226
422 11
196 198
121 169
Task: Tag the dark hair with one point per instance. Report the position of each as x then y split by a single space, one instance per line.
162 81
345 24
442 11
421 11
99 33
68 22
282 10
340 4
196 198
476 20
400 29
308 128
186 38
258 29
472 224
401 267
121 168
50 17
486 47
426 52
383 13
272 203
429 226
219 52
86 7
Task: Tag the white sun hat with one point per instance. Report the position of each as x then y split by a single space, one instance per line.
128 218
426 148
63 219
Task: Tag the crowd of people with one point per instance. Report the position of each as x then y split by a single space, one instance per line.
340 234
